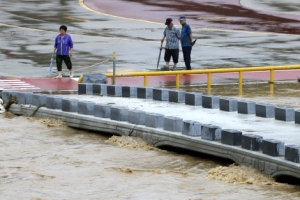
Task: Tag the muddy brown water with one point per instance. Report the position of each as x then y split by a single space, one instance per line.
45 159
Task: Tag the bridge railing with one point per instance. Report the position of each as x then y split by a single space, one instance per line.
209 73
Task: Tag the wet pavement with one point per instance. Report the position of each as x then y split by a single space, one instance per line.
28 31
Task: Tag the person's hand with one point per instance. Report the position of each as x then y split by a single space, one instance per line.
71 54
162 41
53 52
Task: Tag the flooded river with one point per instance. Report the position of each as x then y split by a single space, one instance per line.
45 159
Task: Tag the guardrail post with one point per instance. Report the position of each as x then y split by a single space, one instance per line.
145 80
208 83
240 82
114 68
177 81
271 76
271 89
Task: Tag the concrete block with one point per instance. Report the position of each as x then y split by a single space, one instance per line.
100 89
114 90
69 105
154 120
85 88
252 142
176 96
273 147
129 91
86 107
209 101
265 110
38 99
211 132
8 94
246 107
53 102
297 116
284 114
193 99
173 124
144 93
24 97
102 110
191 128
119 114
292 153
160 94
231 137
136 117
228 104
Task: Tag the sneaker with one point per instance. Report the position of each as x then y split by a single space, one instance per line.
165 68
174 69
71 74
59 76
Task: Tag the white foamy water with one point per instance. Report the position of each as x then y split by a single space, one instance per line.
44 159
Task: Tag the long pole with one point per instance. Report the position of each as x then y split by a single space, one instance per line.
114 68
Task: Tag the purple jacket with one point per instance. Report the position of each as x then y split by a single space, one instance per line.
63 45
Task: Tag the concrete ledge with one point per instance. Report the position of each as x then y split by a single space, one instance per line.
136 117
38 99
176 96
102 110
273 166
100 89
273 147
228 104
119 114
211 132
246 107
160 94
24 98
154 120
252 142
284 114
69 105
231 137
114 90
53 102
173 124
86 107
85 88
191 128
209 101
265 110
193 99
129 91
292 153
144 92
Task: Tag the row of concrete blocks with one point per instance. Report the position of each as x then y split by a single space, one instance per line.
167 123
195 99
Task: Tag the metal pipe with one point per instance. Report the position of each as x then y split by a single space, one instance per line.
145 80
114 68
178 81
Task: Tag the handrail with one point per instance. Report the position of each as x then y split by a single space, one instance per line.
209 72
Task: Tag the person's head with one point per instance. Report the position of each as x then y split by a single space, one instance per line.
169 22
63 29
182 19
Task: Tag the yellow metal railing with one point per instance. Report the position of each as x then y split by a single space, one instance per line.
209 73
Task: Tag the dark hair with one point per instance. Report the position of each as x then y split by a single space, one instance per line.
63 27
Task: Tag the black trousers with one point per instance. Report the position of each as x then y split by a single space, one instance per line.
60 59
187 57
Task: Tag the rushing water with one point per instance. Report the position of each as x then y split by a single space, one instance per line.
45 159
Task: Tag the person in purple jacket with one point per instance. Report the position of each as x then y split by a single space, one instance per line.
63 47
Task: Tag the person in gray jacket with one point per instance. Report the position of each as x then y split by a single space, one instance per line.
172 35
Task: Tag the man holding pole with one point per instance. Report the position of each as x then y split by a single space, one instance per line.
172 35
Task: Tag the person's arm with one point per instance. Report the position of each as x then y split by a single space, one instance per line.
191 38
55 46
162 40
71 47
178 34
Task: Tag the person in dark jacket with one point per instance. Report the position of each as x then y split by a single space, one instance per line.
63 47
186 42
